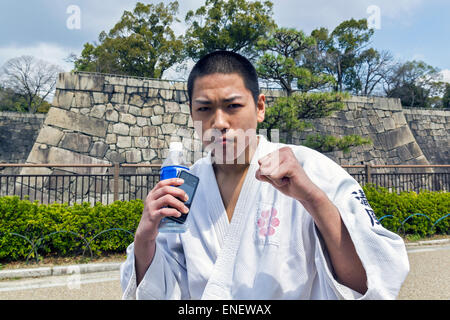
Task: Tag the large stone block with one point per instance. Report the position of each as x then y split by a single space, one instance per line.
76 122
98 111
172 107
111 114
123 142
82 99
76 142
133 156
121 128
414 149
99 149
395 138
185 109
86 82
114 157
116 80
63 98
117 98
49 135
168 128
61 156
158 110
36 171
149 131
148 154
166 94
111 138
135 111
127 118
136 100
91 82
180 118
100 97
38 154
389 123
156 120
399 118
135 131
54 155
141 121
141 142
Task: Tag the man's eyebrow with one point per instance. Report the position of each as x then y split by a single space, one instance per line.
205 101
202 101
232 98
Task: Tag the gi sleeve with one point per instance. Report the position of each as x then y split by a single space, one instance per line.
382 253
166 277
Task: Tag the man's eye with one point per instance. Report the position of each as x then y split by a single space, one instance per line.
203 109
235 106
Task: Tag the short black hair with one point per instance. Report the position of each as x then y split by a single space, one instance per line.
225 62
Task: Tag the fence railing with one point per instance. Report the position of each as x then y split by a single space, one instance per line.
119 182
403 177
134 181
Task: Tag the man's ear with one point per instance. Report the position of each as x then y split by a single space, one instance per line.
261 108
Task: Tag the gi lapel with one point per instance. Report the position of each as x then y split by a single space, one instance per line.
220 282
218 214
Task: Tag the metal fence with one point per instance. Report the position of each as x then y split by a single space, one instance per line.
119 182
134 181
403 177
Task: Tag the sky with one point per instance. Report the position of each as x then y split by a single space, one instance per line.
53 29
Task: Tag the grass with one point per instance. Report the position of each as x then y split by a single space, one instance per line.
60 261
409 238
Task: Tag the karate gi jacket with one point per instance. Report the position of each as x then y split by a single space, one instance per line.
271 249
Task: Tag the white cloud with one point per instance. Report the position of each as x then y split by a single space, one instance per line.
301 14
445 75
308 15
49 52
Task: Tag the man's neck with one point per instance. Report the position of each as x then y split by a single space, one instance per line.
239 165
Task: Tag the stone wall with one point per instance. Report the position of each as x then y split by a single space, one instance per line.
18 132
99 118
104 119
380 119
431 129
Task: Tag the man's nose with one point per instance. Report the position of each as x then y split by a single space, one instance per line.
220 121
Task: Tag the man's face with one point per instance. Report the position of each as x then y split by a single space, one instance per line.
227 113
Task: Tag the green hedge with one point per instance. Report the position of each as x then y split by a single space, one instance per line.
408 204
73 227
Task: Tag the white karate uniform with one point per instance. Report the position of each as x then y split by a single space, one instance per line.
271 249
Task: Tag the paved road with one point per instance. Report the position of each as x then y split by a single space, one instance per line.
429 278
429 275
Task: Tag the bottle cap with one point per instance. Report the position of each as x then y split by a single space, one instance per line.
176 146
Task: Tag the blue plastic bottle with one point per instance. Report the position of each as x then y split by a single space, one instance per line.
170 168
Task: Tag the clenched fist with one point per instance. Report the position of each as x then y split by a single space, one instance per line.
282 170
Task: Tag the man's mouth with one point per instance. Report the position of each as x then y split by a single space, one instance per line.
222 141
225 141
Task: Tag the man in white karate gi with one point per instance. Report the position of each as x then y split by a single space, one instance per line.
269 221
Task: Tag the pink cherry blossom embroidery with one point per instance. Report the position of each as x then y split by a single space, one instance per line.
268 222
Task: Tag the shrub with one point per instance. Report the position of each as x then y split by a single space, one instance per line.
410 205
62 230
59 229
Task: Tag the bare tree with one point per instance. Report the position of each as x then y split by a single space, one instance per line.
371 69
33 78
